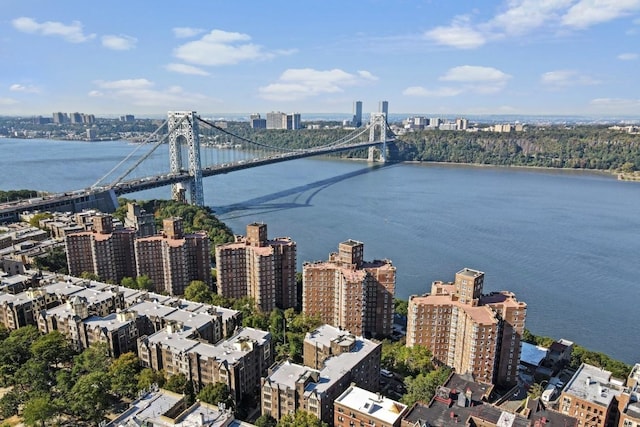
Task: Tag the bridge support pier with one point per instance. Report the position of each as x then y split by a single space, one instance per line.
183 128
378 129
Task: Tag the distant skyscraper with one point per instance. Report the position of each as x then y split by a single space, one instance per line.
462 123
60 118
76 118
357 114
383 107
257 122
293 121
276 120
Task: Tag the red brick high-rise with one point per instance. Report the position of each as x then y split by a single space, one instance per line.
350 293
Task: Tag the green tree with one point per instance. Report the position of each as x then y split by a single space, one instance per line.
535 391
301 419
144 282
628 167
55 260
129 282
93 359
89 275
400 306
33 376
124 375
177 383
35 219
15 350
423 387
52 348
266 421
198 291
38 410
148 377
89 397
9 404
215 394
276 325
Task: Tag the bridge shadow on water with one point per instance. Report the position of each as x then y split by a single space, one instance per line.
266 203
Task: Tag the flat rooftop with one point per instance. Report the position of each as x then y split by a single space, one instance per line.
592 384
373 404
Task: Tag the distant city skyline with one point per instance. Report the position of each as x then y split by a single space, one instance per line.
519 57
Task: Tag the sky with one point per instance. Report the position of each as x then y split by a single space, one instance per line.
445 57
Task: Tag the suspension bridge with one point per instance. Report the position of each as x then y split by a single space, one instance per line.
190 160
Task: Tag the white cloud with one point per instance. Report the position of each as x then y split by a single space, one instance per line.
221 48
467 79
72 33
474 73
185 32
126 84
590 12
186 69
295 84
7 101
121 42
459 34
141 92
563 78
628 56
435 93
367 75
22 88
523 16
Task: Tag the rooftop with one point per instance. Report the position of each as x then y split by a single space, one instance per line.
593 384
375 405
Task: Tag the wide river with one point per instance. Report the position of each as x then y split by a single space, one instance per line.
566 243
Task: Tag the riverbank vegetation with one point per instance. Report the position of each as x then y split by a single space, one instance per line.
554 146
580 147
581 355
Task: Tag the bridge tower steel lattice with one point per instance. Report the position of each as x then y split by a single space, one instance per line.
378 122
183 126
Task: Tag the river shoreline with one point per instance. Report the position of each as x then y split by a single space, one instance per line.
599 172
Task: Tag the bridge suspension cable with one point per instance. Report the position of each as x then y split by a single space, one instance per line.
341 141
146 156
143 143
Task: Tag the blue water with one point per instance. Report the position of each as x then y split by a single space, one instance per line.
564 242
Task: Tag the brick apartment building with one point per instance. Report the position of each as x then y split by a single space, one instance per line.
471 332
261 268
359 407
104 251
350 293
338 360
174 258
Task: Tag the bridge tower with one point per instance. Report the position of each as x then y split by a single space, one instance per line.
183 129
378 129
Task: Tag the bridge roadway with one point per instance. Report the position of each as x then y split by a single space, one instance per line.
135 185
105 198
